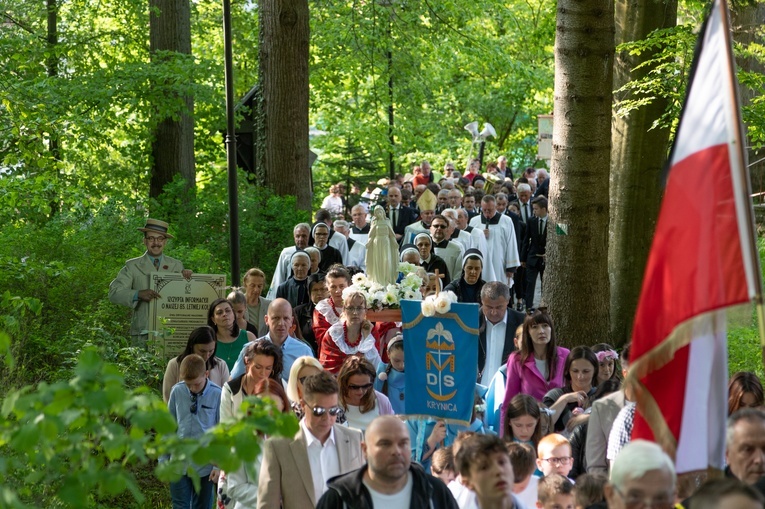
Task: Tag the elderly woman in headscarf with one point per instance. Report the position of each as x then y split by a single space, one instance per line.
295 289
468 287
430 260
410 254
329 255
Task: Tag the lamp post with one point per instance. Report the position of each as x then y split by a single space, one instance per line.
488 130
233 197
389 55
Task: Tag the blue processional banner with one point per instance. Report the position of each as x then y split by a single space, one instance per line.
441 354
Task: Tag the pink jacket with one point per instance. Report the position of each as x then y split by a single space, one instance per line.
526 379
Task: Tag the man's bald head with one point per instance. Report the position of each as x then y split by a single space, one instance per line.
383 423
279 320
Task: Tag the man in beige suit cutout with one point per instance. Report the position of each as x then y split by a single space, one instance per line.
295 472
131 286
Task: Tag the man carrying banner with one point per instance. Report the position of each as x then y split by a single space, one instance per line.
497 326
703 259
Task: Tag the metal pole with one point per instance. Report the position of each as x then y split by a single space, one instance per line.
480 155
233 198
391 141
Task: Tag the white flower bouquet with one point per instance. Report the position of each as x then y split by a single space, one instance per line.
441 303
381 297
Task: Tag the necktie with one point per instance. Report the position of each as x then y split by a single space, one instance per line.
156 263
541 226
525 212
394 218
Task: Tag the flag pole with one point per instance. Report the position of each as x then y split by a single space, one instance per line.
744 173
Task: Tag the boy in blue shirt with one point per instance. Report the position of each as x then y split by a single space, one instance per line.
195 404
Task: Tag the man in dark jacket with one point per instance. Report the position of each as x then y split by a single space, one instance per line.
388 475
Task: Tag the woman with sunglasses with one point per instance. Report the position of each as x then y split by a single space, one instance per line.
301 369
351 335
360 402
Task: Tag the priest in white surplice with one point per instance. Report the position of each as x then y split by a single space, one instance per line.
494 235
357 251
283 268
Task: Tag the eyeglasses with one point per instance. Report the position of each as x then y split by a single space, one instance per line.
355 310
638 501
156 239
565 460
365 387
193 408
439 226
302 379
334 411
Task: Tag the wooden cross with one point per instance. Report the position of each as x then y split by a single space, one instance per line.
439 276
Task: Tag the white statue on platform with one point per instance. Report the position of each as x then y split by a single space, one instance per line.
382 250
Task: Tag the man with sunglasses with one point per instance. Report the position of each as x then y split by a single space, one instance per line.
451 252
131 286
295 472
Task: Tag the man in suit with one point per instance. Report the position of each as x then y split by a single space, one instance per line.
524 197
534 247
497 326
257 306
543 179
602 416
400 216
131 286
294 473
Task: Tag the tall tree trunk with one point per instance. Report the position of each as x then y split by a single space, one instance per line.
637 157
283 133
576 283
746 21
52 67
172 147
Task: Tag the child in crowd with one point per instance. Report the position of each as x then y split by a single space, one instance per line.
523 458
555 492
554 455
195 405
442 465
485 468
462 493
390 376
589 490
523 420
608 363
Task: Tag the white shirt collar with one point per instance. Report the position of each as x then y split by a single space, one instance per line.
311 439
503 321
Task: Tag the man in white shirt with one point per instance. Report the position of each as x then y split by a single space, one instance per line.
357 251
360 226
497 326
294 473
494 234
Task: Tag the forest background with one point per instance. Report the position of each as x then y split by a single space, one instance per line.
87 90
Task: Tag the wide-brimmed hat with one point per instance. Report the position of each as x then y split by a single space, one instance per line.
156 226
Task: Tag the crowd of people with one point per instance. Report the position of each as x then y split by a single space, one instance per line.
550 427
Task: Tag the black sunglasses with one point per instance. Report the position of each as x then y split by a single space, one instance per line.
318 411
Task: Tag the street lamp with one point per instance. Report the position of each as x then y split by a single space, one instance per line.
488 130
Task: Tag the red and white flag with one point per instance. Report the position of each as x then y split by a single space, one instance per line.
702 260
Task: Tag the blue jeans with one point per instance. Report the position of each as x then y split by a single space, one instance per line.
184 496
